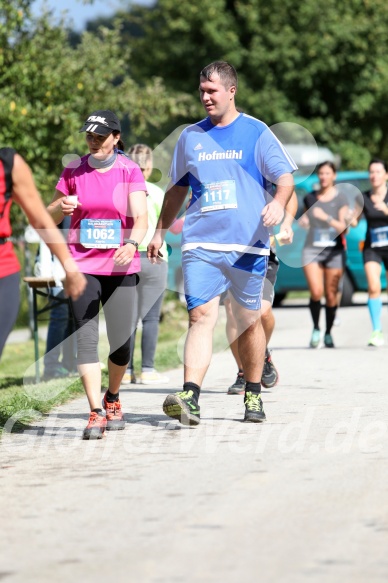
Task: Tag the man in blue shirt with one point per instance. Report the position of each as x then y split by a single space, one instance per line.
229 161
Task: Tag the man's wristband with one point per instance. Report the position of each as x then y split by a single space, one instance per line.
132 241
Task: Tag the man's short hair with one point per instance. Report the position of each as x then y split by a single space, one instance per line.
227 73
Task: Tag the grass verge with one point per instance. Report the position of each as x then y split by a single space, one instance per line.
21 398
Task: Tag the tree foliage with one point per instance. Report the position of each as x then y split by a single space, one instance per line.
320 63
48 86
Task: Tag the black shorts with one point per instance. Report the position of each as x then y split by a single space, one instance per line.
270 279
378 254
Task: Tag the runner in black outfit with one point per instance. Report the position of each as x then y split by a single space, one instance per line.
374 204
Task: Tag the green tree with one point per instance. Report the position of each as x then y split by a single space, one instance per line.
48 86
320 63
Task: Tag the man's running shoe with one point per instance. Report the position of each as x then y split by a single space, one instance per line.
238 387
96 426
270 375
114 415
328 341
377 339
254 411
183 406
315 338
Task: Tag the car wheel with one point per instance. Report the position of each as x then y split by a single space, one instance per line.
347 290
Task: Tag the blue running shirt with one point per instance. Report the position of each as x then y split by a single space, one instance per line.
230 170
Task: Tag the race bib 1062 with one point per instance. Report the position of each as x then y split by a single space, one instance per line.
100 233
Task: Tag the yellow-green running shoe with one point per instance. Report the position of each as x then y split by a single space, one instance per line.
183 406
254 411
376 339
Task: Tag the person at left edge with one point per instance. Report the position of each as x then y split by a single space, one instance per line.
108 221
17 184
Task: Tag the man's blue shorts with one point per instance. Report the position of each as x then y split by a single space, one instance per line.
208 274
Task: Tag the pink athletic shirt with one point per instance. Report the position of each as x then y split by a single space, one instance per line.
103 195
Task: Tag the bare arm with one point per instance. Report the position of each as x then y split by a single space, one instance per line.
60 208
273 212
138 210
304 220
291 210
339 224
355 216
27 197
284 189
286 233
172 203
381 206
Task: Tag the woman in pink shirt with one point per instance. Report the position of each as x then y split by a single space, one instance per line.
105 194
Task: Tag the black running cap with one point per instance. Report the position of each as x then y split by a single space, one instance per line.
102 122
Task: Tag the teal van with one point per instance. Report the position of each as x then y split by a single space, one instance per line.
174 274
290 275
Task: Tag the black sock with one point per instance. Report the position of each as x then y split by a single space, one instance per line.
240 372
253 388
192 387
330 317
315 309
99 411
110 397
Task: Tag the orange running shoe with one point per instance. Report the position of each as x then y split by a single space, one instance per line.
114 415
96 427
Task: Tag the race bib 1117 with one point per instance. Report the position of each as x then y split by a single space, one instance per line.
217 196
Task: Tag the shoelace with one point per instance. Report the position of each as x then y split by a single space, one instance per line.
253 402
112 408
93 418
185 395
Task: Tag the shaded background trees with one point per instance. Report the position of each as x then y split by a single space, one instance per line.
49 83
318 63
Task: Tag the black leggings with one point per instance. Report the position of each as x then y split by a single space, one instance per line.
9 305
117 294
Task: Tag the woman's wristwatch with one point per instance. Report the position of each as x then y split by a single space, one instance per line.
132 241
